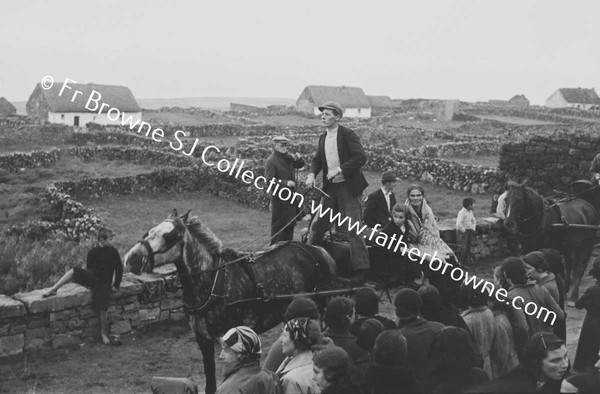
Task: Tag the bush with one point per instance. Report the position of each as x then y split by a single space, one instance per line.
26 265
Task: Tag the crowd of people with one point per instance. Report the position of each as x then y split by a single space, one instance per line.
429 348
440 342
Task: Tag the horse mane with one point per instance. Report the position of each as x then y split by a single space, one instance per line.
535 202
204 235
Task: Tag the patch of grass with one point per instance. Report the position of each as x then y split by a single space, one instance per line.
26 265
131 216
19 191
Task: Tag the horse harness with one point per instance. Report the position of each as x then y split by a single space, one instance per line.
549 204
247 262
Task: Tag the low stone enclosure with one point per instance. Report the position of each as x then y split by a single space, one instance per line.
30 322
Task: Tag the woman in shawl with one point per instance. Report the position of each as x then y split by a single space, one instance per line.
422 228
422 225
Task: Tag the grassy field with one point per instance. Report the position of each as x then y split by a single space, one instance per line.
235 224
19 191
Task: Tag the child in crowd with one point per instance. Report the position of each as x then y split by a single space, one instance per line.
411 274
465 227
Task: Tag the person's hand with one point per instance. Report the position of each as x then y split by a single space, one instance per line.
334 172
310 180
291 184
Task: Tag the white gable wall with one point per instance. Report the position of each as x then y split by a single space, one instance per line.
556 100
68 118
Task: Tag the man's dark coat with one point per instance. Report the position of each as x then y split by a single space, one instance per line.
352 158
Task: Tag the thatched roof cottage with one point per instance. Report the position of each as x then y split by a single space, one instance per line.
70 107
574 98
355 102
6 108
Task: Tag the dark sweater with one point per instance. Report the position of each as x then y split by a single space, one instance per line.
104 262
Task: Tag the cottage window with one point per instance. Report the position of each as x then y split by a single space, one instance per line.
62 116
359 110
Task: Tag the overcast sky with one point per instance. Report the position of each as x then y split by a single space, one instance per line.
448 49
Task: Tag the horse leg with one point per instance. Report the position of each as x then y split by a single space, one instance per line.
568 268
579 266
207 347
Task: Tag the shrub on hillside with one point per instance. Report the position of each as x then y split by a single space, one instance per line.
26 265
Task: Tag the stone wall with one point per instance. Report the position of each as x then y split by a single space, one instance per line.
551 162
29 322
489 238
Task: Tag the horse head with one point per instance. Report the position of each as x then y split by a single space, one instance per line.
158 243
523 208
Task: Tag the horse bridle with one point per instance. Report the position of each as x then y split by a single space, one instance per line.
538 229
171 240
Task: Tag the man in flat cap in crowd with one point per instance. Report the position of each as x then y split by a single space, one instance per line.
340 155
380 202
280 166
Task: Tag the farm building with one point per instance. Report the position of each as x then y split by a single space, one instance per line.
6 108
519 101
355 102
574 98
70 107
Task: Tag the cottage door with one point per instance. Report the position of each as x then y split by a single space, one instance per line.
76 121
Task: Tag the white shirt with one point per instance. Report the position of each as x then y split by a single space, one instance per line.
387 198
465 220
501 208
331 154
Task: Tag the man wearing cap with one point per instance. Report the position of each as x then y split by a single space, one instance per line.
340 155
241 350
280 167
379 203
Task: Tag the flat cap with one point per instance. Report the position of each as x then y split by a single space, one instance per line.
281 138
333 106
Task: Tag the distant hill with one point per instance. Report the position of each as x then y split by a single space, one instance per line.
218 103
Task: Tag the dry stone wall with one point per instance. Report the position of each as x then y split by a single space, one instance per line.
551 162
29 322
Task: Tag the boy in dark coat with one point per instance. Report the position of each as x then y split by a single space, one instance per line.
103 263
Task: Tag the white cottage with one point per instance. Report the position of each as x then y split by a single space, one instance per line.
574 98
70 107
355 102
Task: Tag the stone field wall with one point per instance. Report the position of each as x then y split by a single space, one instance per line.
551 162
29 322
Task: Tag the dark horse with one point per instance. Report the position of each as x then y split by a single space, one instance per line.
223 288
530 216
